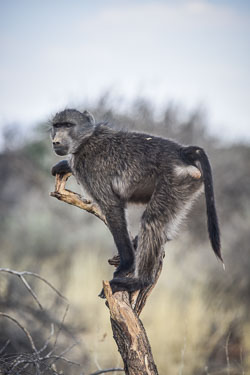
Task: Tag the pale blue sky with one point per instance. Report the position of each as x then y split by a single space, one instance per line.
57 53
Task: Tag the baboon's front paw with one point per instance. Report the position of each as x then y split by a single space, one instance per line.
102 294
61 168
116 285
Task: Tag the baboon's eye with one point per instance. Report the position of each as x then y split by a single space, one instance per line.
56 126
68 125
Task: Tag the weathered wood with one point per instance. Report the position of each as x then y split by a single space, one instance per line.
75 199
129 334
124 307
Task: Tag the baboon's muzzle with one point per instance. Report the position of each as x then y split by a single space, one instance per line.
60 149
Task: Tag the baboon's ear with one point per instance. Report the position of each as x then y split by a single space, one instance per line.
90 118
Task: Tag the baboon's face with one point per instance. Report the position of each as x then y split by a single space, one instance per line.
69 127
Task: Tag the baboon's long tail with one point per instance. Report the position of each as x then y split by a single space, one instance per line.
191 155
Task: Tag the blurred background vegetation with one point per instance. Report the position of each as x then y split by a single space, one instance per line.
197 318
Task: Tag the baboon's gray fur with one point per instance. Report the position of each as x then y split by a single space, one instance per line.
118 167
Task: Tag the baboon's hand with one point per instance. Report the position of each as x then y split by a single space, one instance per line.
61 168
102 294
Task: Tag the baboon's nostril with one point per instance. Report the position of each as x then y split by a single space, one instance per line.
56 143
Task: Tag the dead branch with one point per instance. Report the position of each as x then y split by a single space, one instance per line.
27 285
106 371
44 358
125 308
4 347
23 329
43 362
75 199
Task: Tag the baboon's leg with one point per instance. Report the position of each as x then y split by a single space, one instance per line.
150 241
159 212
116 220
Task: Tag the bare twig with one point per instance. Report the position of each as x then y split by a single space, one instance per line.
27 285
23 329
4 347
106 370
30 339
60 328
43 362
45 345
60 357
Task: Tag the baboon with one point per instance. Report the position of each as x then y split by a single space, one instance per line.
119 167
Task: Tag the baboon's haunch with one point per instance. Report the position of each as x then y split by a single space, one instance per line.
118 167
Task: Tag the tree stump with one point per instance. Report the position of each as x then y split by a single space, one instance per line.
124 307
